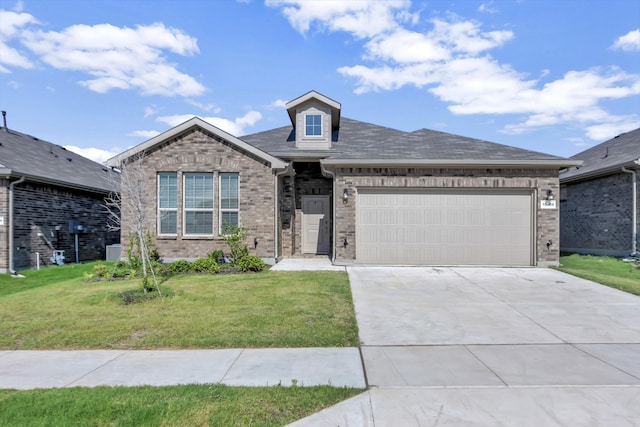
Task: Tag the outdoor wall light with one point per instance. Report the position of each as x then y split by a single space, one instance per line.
345 243
345 194
255 242
549 194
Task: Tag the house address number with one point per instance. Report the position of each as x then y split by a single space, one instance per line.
547 204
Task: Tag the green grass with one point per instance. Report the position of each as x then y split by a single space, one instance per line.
55 308
609 271
191 405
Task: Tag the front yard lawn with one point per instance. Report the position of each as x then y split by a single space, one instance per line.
188 405
55 308
609 271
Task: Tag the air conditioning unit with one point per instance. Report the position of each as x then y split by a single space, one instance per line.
113 252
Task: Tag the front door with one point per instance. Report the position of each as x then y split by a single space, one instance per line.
315 224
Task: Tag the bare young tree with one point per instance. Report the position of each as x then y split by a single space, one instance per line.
131 210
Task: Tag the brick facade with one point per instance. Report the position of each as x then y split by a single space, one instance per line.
596 215
538 181
200 151
38 208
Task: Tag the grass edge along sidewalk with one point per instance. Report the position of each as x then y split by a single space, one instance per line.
612 272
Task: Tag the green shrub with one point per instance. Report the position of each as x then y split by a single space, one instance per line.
205 265
100 271
216 254
180 266
250 263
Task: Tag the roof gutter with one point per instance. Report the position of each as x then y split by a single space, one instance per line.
10 237
634 208
527 164
596 173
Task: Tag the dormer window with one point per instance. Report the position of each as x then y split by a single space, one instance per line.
313 125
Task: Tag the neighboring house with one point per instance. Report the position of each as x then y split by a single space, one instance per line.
357 192
50 199
599 199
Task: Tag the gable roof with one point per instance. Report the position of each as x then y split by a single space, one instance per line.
313 95
187 126
606 158
360 143
42 161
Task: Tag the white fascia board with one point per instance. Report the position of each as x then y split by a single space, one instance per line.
560 163
312 95
195 121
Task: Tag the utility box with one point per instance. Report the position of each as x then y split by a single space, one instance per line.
113 252
57 257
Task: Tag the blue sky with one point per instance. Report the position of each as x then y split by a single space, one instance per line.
556 76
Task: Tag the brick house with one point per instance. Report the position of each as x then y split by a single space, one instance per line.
599 199
353 191
50 199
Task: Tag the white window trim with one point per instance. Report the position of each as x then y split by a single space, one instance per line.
220 209
161 210
185 209
306 135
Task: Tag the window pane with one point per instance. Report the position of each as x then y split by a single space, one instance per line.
168 221
229 219
198 222
198 191
168 190
313 125
229 191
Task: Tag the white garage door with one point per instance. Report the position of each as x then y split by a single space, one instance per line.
465 227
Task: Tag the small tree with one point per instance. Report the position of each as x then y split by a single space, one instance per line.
133 203
234 236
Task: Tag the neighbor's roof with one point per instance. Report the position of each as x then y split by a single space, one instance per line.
360 143
42 161
606 158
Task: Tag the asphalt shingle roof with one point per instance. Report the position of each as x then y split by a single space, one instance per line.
613 154
359 141
44 161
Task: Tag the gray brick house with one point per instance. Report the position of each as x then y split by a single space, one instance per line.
599 199
50 199
354 191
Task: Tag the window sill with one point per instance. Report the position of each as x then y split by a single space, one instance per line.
202 237
167 237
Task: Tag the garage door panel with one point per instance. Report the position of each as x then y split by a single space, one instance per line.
444 228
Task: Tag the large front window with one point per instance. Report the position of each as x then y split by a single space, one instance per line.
229 201
167 203
313 125
198 203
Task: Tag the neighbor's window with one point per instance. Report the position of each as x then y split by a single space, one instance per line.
198 203
229 200
313 125
167 203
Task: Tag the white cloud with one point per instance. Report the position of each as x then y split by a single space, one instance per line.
452 61
150 110
204 107
95 154
114 57
629 42
234 127
11 26
278 103
362 18
146 134
487 8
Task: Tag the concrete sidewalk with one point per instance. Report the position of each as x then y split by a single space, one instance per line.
248 367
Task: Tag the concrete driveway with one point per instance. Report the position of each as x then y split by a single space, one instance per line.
492 346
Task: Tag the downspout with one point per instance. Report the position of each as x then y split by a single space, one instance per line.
276 208
634 210
333 219
11 185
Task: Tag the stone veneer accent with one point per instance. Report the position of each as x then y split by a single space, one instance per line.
200 151
38 208
538 180
596 215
